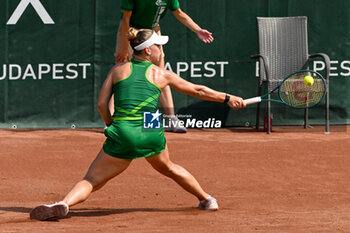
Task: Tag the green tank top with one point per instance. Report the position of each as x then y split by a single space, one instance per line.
147 13
135 94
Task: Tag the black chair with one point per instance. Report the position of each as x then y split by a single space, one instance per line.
283 49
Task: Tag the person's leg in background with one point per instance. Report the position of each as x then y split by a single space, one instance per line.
166 99
118 46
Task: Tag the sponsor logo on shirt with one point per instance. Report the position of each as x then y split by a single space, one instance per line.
160 3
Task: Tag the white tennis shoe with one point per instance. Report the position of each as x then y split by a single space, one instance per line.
208 204
174 125
44 212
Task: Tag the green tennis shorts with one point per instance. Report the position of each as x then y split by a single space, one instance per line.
126 139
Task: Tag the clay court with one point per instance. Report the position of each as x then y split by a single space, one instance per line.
294 180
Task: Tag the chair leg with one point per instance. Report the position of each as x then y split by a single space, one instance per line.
268 115
306 118
258 106
257 125
327 109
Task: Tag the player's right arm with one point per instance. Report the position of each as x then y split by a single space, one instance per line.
123 55
200 91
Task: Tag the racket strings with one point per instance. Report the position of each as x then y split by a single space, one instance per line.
295 92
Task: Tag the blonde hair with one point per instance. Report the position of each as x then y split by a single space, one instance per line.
138 36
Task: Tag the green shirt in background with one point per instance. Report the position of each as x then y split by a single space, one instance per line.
147 13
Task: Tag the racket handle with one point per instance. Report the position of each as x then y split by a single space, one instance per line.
252 100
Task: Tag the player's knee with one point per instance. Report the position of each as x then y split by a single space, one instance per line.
95 183
97 187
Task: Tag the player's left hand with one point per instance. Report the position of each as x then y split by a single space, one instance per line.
205 36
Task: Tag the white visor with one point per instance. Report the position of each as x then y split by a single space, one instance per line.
154 39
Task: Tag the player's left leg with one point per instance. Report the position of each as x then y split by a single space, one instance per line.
181 176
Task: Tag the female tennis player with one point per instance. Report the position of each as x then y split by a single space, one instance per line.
146 14
136 86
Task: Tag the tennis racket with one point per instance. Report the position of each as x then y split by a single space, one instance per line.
294 91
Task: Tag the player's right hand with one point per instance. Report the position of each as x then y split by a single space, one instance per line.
236 102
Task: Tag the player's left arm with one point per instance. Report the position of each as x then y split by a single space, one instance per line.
104 98
186 20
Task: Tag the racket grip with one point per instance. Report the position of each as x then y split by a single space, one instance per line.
252 100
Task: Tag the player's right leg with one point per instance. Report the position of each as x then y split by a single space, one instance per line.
102 169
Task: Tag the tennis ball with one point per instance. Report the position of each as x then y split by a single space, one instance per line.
308 80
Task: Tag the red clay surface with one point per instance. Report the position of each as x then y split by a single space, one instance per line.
293 180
